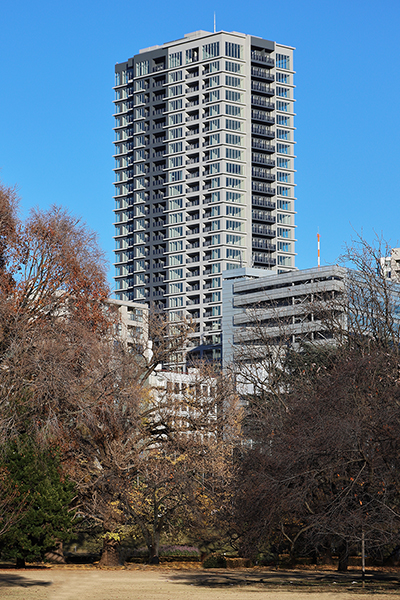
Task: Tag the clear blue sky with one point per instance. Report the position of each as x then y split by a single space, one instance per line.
57 73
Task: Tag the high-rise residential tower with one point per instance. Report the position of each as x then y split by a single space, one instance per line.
204 173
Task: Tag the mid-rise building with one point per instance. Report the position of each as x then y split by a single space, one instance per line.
204 172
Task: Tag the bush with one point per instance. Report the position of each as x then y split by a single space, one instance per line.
215 561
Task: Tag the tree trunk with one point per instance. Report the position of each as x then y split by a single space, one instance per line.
20 563
343 557
110 553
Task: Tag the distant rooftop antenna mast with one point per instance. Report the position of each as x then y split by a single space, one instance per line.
215 23
319 250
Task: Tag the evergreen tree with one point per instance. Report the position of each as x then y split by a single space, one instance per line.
47 519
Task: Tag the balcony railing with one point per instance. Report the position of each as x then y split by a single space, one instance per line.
263 230
263 258
265 202
259 57
263 244
260 101
262 187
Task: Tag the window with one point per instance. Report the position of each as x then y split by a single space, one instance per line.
235 111
175 76
175 218
176 246
215 254
234 154
233 254
283 191
233 96
176 288
216 297
283 106
142 68
233 125
284 204
284 219
235 140
282 61
214 153
235 240
175 119
283 77
285 261
176 274
233 67
282 92
177 259
175 104
283 134
285 177
214 168
285 233
284 163
213 67
214 110
283 148
215 225
234 183
175 232
192 55
213 124
215 182
175 176
175 203
176 301
215 210
216 268
283 120
175 190
175 90
234 197
233 81
213 81
210 50
234 211
215 239
234 168
215 196
214 95
233 50
174 148
139 265
175 161
175 60
175 133
214 139
234 225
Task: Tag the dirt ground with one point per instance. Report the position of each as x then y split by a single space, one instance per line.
74 583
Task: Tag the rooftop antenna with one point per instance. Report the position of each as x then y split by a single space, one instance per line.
215 23
319 249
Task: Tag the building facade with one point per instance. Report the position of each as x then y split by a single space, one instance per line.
204 172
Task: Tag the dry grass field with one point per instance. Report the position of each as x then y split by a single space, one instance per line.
173 583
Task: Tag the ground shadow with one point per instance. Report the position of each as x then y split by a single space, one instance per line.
214 578
14 580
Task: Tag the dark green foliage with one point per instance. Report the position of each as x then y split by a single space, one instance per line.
215 561
47 518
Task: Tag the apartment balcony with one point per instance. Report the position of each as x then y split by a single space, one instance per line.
263 244
262 160
192 259
194 202
193 245
263 102
158 125
263 88
263 230
192 301
263 259
193 230
194 175
261 115
263 130
192 103
262 174
158 279
158 293
195 273
158 251
191 132
193 188
191 118
157 68
262 58
261 73
262 145
193 288
264 202
158 111
158 153
192 75
261 215
192 88
159 223
192 161
194 217
257 186
158 238
192 146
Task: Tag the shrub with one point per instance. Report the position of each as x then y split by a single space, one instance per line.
215 561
